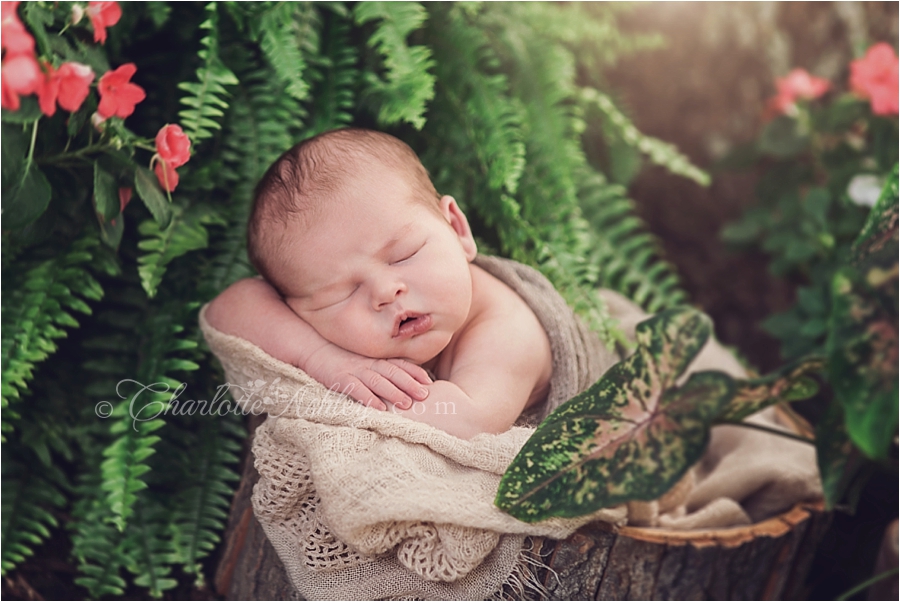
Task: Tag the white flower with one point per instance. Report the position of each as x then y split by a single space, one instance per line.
864 189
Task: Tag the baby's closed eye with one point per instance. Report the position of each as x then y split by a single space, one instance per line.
408 254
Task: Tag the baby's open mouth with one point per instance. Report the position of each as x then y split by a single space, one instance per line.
409 325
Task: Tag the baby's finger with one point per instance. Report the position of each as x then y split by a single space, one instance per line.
417 372
401 379
356 390
384 386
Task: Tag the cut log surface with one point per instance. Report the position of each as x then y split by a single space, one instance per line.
765 561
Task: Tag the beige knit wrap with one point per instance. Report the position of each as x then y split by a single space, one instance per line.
367 504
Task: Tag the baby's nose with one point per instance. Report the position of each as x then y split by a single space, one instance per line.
388 293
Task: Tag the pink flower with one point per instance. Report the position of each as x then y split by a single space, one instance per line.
875 77
173 149
103 15
797 85
21 76
16 39
70 85
124 198
173 146
166 174
118 95
74 85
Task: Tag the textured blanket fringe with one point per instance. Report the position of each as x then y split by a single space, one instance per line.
523 583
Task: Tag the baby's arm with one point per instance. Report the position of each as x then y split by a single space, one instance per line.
253 310
497 368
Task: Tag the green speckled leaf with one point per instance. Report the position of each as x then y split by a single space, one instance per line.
630 436
863 339
791 383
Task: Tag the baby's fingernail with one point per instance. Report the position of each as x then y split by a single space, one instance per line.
422 393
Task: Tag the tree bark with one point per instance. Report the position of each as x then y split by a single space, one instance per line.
765 561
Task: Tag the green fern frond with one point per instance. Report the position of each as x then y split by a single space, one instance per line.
407 86
201 508
659 152
186 232
262 123
97 546
30 494
147 548
492 120
36 308
205 99
289 36
335 76
137 416
629 259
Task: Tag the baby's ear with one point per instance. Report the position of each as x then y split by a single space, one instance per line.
453 214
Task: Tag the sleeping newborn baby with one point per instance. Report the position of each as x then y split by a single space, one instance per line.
369 284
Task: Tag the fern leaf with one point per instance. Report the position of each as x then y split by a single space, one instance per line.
28 502
492 120
186 232
630 260
261 124
97 546
403 93
147 549
35 309
205 99
659 152
201 508
288 37
334 74
137 416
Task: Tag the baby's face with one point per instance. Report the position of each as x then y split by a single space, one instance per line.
380 274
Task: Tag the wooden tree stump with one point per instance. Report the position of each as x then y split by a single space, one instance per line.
765 561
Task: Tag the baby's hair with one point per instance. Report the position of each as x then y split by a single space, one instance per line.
312 173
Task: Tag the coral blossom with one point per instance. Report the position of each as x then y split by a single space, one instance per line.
166 174
875 77
173 149
21 76
70 85
117 94
124 198
173 145
15 38
103 15
797 85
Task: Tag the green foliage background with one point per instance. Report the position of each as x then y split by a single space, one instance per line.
101 306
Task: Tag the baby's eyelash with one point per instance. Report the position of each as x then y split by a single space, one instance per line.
419 248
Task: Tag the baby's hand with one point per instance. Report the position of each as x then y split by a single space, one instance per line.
369 381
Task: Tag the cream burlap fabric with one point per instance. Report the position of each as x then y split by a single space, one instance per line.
364 504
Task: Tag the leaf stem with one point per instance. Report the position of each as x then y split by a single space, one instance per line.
770 430
78 153
30 159
855 590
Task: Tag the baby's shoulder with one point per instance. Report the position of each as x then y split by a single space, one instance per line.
504 319
505 337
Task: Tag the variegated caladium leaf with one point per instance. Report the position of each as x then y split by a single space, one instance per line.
630 436
862 330
791 383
